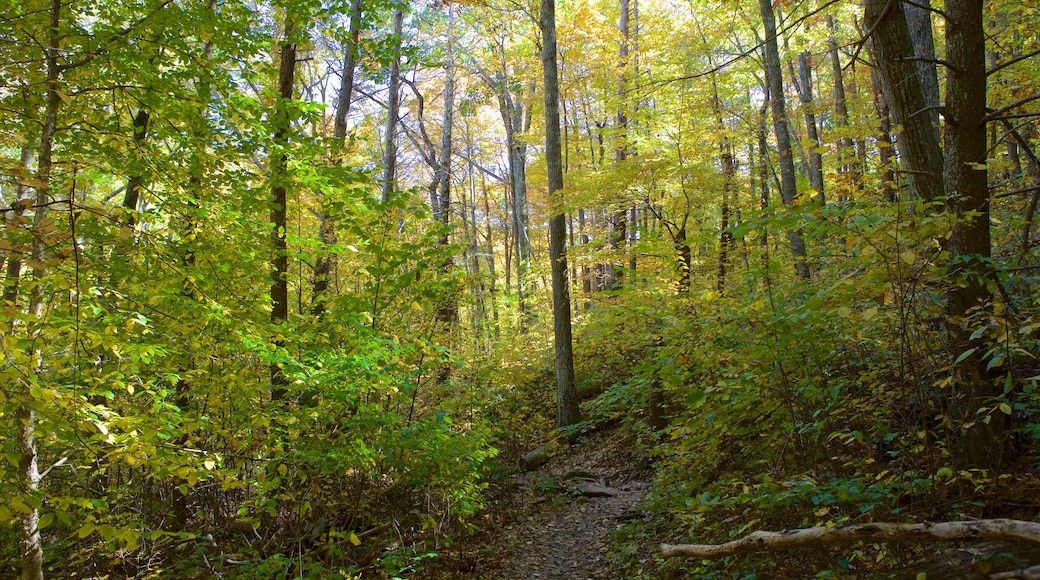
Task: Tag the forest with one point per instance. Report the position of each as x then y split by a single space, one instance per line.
308 288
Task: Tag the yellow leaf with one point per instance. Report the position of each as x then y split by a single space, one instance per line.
869 313
1005 408
85 531
64 97
844 311
354 539
352 248
823 511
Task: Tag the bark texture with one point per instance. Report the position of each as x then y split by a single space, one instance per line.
566 390
788 184
975 530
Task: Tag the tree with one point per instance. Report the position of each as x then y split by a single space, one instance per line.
566 390
788 184
281 122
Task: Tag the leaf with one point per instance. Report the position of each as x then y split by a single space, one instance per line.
354 539
843 311
965 354
46 520
85 531
869 313
1004 408
63 96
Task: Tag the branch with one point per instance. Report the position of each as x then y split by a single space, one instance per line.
995 115
1008 63
998 529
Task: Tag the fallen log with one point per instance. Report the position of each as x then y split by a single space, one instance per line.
997 529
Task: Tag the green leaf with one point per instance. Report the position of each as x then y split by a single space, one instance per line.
965 354
1005 408
45 520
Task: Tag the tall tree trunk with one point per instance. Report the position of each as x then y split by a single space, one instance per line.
889 189
763 181
618 225
447 313
895 58
325 264
393 104
566 389
919 25
966 186
803 82
281 123
788 184
28 463
841 113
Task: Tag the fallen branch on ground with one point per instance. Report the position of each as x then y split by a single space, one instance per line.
999 529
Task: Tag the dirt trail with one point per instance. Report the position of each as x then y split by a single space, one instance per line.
571 544
576 500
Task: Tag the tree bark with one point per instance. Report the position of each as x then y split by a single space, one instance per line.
132 198
975 530
28 463
841 111
894 56
919 24
393 105
805 95
566 390
788 184
447 312
325 264
965 176
281 121
619 217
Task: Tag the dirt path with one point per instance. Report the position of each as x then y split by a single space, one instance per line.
573 503
571 543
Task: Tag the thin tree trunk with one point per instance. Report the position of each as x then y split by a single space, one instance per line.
28 463
805 95
325 264
281 122
132 197
447 312
618 225
788 185
889 188
393 106
566 390
841 112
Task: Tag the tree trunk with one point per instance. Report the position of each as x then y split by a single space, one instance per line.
894 56
393 103
566 390
447 312
889 188
618 221
805 95
281 123
788 185
132 198
919 25
28 463
965 177
841 113
325 264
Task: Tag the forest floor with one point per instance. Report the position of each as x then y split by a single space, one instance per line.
555 523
